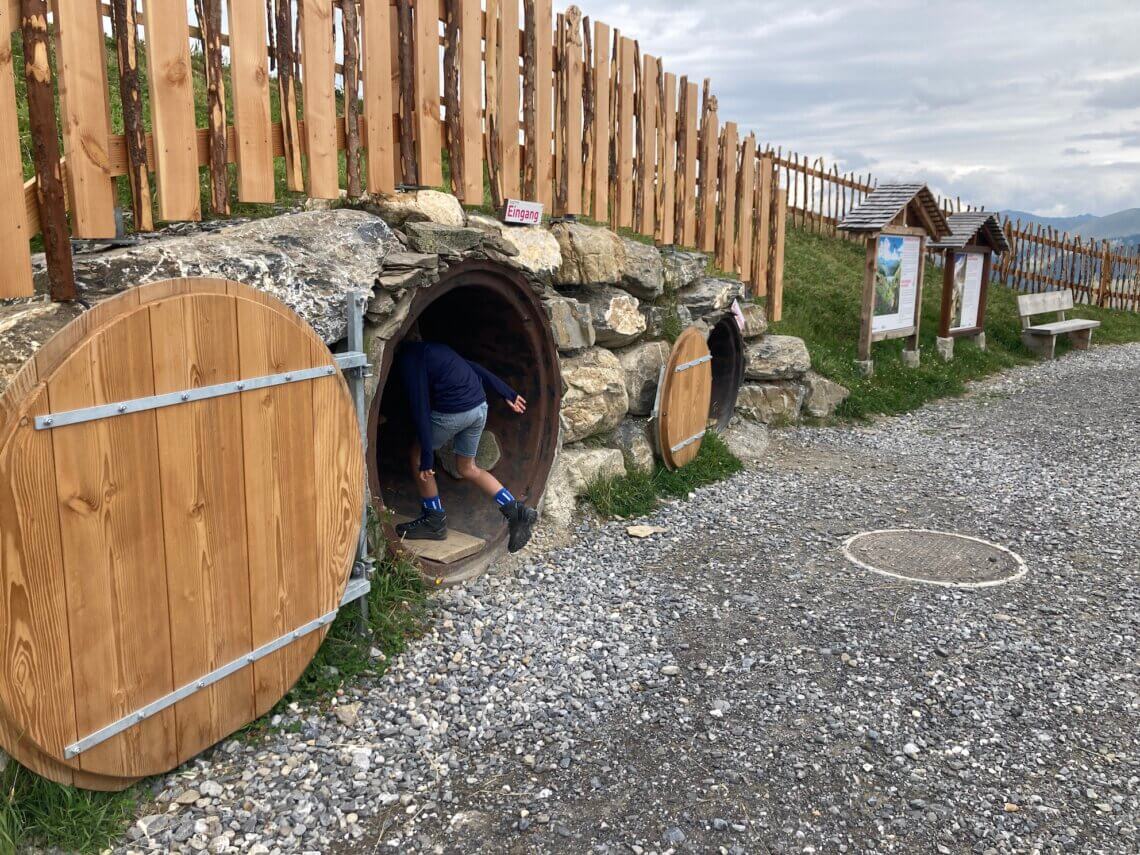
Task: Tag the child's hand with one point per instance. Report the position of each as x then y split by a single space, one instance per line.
426 475
518 404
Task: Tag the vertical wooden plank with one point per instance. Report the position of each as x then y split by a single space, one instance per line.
172 109
318 74
209 13
769 177
493 134
601 144
84 113
405 79
625 133
471 92
544 76
114 559
667 227
16 272
286 54
710 132
195 343
350 23
509 96
572 117
428 152
744 208
253 128
378 106
689 178
647 146
453 120
125 31
277 433
726 203
776 294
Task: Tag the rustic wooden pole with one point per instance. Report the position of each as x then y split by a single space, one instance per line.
209 14
613 190
454 125
530 99
352 98
561 104
662 155
493 70
407 90
45 150
1105 276
124 25
641 159
287 92
588 110
682 198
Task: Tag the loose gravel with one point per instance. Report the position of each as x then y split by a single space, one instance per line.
735 685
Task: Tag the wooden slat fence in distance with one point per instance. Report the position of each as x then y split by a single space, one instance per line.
16 271
510 97
319 99
253 125
427 66
726 200
172 110
647 145
687 195
776 280
599 205
377 73
744 208
471 94
625 133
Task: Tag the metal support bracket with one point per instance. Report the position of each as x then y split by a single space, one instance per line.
362 567
692 363
685 443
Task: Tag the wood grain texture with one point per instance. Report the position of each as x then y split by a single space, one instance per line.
319 99
726 198
471 92
688 198
85 116
350 21
376 68
667 227
172 109
124 27
572 114
16 272
599 204
286 56
685 399
625 133
544 116
509 96
776 280
745 186
249 71
709 150
647 147
427 121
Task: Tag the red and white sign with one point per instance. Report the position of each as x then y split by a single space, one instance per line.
523 213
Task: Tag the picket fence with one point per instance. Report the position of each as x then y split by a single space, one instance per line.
556 109
1098 272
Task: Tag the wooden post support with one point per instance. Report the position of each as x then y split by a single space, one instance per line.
209 14
16 272
453 128
287 92
1105 276
351 21
706 225
378 106
667 225
867 309
471 94
776 293
428 151
406 61
253 126
45 150
124 25
589 117
530 100
509 44
492 84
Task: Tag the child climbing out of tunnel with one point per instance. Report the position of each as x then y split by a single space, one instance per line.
448 397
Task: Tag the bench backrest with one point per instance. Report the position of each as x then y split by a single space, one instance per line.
1049 301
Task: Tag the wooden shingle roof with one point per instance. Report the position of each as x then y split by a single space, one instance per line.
887 201
965 225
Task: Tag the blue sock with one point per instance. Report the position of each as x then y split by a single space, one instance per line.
433 504
504 497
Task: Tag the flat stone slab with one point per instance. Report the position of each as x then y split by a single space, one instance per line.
934 558
457 545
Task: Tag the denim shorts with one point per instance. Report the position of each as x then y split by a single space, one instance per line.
464 428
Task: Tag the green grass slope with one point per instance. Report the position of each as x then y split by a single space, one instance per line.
823 282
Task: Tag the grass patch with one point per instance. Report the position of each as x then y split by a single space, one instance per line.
823 282
639 491
34 810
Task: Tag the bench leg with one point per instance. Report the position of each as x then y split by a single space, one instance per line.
1081 339
1042 345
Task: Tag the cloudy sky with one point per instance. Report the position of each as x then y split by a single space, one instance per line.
1025 104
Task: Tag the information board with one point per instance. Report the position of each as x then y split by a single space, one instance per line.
897 261
965 298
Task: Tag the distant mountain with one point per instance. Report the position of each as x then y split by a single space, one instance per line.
1123 226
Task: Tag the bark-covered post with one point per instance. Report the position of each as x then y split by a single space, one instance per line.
45 150
493 141
589 108
124 25
454 125
287 92
639 154
407 90
530 99
351 98
209 13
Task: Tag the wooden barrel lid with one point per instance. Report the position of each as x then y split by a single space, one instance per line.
142 551
683 399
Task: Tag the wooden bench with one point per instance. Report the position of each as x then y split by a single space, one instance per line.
1042 338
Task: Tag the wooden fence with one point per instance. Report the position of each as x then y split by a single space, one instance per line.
553 108
1041 259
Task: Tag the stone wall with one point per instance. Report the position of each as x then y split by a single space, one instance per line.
613 303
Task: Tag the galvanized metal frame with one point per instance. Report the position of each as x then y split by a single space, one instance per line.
355 365
692 363
685 443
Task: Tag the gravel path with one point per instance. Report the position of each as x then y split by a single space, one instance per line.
735 685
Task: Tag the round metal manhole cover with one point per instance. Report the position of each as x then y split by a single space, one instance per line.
934 558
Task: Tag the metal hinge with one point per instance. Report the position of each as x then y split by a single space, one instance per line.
693 363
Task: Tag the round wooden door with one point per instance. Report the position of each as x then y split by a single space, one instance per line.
683 399
181 495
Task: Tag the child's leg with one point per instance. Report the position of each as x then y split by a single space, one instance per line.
481 478
426 487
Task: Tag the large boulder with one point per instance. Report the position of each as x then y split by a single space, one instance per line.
438 239
419 206
776 357
771 403
665 321
570 322
642 365
708 295
616 315
682 268
574 471
632 439
642 274
590 255
532 248
823 396
755 321
404 270
309 260
747 440
595 400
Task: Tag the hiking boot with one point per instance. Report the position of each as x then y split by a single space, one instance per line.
430 525
520 522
